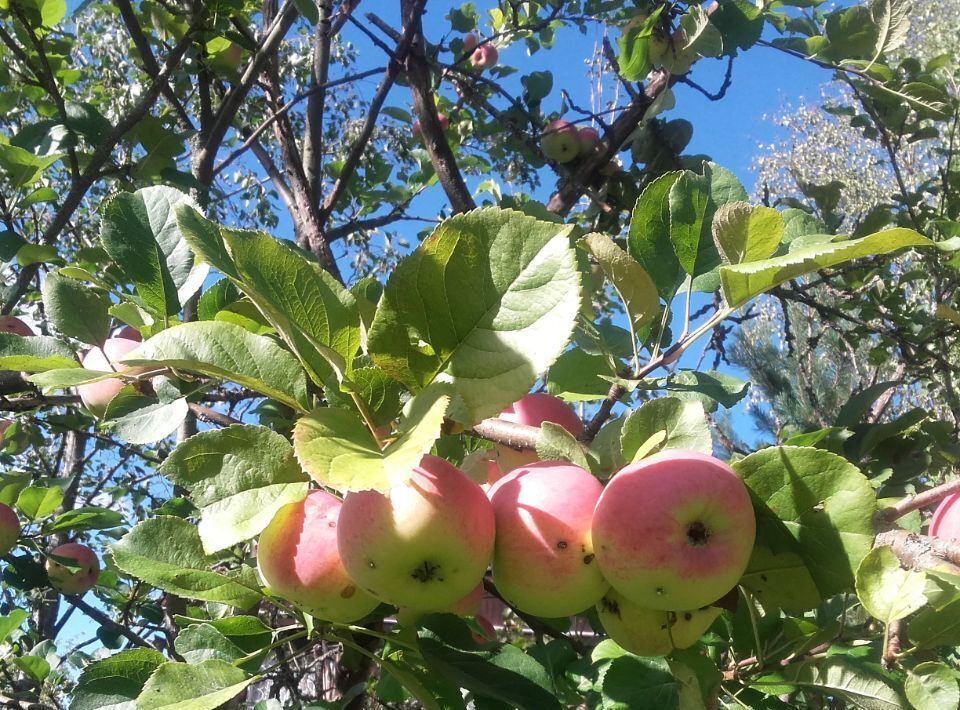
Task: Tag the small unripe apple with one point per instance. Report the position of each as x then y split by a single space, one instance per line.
945 523
12 324
227 61
674 531
560 141
543 559
424 544
97 395
533 410
588 138
298 560
9 528
652 632
417 131
67 581
484 57
470 42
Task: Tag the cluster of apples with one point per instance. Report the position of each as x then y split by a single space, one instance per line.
653 549
562 141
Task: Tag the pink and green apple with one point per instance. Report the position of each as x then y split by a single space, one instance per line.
298 560
97 395
945 523
424 544
12 324
560 141
484 57
652 632
9 528
61 564
543 558
674 531
533 410
588 138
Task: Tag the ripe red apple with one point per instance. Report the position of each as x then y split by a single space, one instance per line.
470 42
533 410
484 57
418 132
560 141
10 529
423 545
12 324
63 579
97 395
128 332
945 523
674 531
652 632
298 560
588 138
543 559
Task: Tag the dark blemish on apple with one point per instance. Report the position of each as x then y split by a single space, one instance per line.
763 577
687 615
332 524
587 559
426 572
371 564
348 591
562 545
610 606
661 591
697 533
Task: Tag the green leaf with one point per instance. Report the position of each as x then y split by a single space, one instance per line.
201 686
486 302
649 238
238 477
167 553
133 225
814 504
37 502
308 8
51 380
23 167
633 43
497 671
690 217
338 450
34 354
858 405
76 309
554 443
85 518
836 677
201 642
11 622
632 282
742 282
312 312
936 627
745 233
665 423
932 686
709 388
887 591
702 37
780 579
576 376
114 683
229 352
142 420
34 666
634 682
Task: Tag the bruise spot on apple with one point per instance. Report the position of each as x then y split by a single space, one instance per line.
426 572
687 615
698 534
587 559
348 591
332 524
610 606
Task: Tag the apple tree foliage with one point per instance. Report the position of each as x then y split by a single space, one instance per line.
146 151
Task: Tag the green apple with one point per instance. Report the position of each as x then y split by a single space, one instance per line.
652 632
560 141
